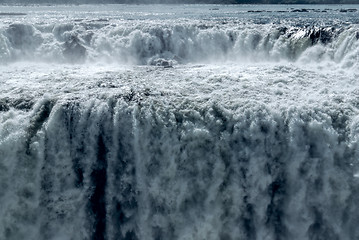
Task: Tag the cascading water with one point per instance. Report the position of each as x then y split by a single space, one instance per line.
120 168
155 43
137 129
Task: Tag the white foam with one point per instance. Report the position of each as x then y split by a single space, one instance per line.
248 132
145 42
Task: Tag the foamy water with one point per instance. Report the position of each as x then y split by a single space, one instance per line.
179 122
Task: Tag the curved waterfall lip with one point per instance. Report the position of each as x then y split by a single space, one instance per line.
179 122
169 43
176 34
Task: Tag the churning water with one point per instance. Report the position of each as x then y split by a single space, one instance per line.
179 122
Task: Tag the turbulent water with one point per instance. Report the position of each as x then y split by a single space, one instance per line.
179 122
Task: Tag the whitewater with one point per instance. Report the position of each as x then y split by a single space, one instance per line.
179 122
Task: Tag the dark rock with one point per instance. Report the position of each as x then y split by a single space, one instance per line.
282 30
323 35
300 10
162 62
4 106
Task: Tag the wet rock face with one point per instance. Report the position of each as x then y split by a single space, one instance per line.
322 35
74 51
316 35
162 62
300 10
